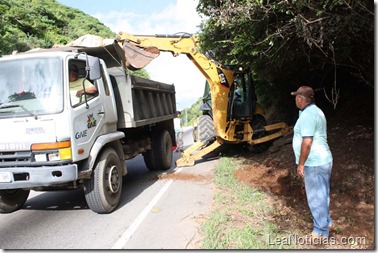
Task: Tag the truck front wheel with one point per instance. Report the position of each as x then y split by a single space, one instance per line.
159 157
103 189
12 200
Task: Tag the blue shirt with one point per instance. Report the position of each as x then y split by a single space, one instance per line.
312 123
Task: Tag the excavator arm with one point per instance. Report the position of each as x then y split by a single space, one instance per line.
142 49
218 78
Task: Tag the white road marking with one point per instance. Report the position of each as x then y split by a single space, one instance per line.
121 242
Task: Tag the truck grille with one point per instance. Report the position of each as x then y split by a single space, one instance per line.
18 158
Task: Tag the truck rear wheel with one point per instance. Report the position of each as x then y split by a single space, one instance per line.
159 157
12 200
103 189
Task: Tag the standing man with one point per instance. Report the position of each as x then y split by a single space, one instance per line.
313 158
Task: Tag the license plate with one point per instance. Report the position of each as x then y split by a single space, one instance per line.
5 177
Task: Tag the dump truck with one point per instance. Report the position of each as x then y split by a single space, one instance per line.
231 112
51 138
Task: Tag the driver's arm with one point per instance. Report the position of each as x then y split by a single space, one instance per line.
89 88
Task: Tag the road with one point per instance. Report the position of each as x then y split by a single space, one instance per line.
157 211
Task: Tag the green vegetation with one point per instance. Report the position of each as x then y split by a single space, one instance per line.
28 24
327 44
237 221
140 73
192 113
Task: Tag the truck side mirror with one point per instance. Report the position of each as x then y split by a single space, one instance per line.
94 68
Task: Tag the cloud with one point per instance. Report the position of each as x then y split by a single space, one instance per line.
178 17
180 71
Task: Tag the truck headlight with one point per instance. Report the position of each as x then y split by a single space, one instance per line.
40 157
53 156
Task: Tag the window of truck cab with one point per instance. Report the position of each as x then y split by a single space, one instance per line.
78 80
30 86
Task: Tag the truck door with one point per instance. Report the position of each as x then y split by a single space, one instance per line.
91 115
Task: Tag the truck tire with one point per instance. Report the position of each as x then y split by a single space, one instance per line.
160 156
149 159
103 189
258 123
205 128
12 200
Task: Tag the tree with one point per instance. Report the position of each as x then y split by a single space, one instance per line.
189 115
140 73
324 43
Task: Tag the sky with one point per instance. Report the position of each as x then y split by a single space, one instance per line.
149 17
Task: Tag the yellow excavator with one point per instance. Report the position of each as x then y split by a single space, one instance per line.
231 114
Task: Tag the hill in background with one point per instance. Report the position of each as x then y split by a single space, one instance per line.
27 24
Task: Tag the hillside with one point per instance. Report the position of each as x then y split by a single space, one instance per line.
29 24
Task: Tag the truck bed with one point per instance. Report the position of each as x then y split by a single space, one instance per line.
141 101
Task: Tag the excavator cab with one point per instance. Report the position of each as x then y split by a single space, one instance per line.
242 97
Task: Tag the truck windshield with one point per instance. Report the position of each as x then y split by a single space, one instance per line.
30 87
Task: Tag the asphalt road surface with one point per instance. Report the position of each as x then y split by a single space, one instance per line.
157 211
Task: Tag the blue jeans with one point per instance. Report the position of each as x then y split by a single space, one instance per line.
317 185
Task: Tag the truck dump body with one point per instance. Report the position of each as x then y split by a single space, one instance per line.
152 101
141 101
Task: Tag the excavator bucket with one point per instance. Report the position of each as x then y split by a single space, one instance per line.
137 58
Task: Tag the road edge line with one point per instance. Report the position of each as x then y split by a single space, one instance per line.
121 242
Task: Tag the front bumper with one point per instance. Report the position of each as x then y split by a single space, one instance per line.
30 177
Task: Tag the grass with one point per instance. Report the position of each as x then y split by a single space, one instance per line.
240 219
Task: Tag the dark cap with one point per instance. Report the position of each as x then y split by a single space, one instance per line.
305 91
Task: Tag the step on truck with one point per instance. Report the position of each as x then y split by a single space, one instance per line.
56 137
